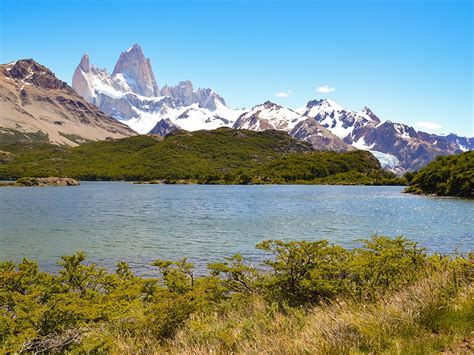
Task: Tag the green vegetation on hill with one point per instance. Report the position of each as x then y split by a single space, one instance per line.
11 136
451 175
387 296
222 156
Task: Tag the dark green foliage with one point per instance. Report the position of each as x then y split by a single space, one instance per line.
451 175
59 312
27 181
222 156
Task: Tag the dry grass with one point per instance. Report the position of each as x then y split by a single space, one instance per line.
431 316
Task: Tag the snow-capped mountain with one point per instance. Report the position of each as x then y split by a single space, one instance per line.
269 116
397 146
343 123
272 116
131 95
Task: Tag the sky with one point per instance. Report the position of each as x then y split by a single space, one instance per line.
410 61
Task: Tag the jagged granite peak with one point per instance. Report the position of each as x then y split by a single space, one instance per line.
120 96
137 72
81 82
208 98
84 64
184 91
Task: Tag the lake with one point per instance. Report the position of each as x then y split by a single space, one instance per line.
114 221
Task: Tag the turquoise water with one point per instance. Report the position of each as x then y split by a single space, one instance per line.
114 221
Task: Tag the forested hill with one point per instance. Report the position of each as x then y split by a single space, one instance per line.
220 156
451 175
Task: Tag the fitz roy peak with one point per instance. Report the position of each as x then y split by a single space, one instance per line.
131 95
136 71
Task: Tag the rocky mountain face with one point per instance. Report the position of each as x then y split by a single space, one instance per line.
311 131
35 105
131 95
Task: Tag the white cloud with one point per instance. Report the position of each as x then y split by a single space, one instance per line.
325 89
428 125
284 93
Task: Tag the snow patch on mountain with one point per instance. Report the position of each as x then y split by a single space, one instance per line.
190 118
387 161
360 144
269 116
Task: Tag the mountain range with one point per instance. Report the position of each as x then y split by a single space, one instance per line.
131 95
35 105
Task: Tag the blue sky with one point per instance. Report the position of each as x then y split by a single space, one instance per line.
410 61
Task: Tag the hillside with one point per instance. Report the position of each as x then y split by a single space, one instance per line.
446 176
35 106
220 156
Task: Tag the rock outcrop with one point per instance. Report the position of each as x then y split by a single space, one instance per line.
164 127
319 137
